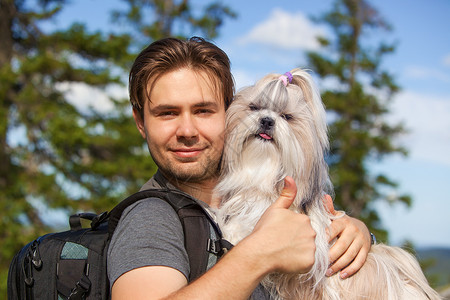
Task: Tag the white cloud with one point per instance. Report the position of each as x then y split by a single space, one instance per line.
427 119
285 30
418 72
446 60
83 96
243 78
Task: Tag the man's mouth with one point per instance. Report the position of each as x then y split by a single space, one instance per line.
187 152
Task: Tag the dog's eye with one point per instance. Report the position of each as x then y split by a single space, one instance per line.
287 117
253 107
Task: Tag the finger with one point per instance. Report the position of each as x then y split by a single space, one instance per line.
346 236
354 267
340 247
287 194
336 228
328 201
344 260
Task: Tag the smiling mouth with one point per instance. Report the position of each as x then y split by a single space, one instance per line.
187 153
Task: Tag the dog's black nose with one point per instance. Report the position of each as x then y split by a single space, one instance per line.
267 123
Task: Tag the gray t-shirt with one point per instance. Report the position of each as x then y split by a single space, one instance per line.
149 233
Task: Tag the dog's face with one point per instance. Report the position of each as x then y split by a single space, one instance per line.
273 130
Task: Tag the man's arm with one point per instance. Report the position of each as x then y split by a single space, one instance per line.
235 276
153 282
282 241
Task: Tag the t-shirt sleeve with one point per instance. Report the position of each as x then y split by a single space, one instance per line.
149 233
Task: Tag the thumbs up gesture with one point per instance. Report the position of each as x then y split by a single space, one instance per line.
286 239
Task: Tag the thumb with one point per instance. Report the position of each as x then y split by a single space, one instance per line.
328 202
287 195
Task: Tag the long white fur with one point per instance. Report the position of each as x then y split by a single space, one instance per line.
253 169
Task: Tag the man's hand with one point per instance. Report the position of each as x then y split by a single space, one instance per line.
353 242
286 238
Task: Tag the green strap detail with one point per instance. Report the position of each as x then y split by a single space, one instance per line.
74 251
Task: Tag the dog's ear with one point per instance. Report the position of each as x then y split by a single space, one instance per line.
311 96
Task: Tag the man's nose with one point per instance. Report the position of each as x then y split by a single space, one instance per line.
187 127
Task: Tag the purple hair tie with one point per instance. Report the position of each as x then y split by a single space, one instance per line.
289 76
286 78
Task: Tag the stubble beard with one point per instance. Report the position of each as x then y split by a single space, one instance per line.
190 172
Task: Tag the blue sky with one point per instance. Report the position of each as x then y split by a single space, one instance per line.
271 36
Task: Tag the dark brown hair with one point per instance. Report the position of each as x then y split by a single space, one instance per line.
170 54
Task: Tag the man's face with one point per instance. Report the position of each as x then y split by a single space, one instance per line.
183 124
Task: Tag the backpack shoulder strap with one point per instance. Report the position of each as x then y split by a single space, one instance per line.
177 199
196 222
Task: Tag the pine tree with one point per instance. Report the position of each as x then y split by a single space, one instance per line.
174 18
53 154
358 105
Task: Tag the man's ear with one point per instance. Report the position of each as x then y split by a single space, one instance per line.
138 118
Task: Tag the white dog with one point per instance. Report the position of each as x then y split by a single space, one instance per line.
277 128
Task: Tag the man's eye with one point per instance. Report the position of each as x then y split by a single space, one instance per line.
166 113
204 111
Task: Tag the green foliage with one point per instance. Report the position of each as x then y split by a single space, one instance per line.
358 104
55 154
173 18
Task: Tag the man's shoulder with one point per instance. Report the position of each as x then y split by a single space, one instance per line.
148 233
148 207
148 217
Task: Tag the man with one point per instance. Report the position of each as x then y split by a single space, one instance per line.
180 91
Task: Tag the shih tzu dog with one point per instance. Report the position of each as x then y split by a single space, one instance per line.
275 129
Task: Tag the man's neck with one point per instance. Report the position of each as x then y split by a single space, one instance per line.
200 190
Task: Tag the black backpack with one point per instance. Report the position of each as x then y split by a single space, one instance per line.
72 264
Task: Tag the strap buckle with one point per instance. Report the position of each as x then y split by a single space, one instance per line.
80 289
219 247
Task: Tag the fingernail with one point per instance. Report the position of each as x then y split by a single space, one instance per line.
343 275
329 272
